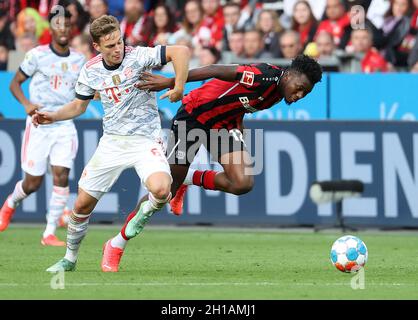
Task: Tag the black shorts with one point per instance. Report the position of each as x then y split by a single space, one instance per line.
188 135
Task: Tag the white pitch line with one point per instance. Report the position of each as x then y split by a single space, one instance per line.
209 284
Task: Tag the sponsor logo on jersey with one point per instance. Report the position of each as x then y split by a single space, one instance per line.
246 104
128 72
247 78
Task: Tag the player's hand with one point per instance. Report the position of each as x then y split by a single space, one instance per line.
153 82
43 117
173 95
31 108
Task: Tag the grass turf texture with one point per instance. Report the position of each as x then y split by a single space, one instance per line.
188 263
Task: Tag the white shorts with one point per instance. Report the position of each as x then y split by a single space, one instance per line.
58 145
116 153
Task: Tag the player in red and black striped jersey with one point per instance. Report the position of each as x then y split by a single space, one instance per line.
220 104
218 107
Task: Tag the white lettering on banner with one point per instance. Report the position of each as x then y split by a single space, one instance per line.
8 158
323 166
395 166
390 115
352 143
232 204
194 200
276 202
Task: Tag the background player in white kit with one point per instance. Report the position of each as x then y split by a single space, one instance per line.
131 126
54 70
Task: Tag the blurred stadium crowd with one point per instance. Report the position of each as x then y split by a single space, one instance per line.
382 38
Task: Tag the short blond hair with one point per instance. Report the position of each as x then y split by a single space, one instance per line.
103 26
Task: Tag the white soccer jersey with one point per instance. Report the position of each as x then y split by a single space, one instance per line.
128 111
53 78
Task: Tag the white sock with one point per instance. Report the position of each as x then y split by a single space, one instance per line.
119 242
17 196
189 177
57 204
77 230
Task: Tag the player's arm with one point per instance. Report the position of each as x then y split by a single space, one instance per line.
179 56
16 89
69 111
155 82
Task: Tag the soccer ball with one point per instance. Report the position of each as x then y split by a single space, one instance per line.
349 254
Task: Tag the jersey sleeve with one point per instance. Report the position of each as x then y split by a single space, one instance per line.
151 57
82 89
29 65
255 75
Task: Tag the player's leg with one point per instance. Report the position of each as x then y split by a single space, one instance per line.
153 169
22 190
34 155
59 197
62 154
158 185
181 156
237 177
77 230
113 248
178 188
98 177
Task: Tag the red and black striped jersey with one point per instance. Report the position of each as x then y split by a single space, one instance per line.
222 104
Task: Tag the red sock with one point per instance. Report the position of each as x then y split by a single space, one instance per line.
130 216
205 179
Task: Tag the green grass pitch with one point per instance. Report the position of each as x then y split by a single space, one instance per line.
209 263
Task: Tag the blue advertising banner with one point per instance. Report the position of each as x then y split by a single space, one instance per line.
337 96
288 155
390 96
12 109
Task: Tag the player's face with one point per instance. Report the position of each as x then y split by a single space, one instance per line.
296 86
61 30
111 47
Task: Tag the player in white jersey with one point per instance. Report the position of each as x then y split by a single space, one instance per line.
131 126
54 70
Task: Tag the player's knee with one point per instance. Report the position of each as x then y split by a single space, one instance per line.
60 180
161 192
32 185
159 185
160 189
83 207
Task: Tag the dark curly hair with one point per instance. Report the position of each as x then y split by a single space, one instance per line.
308 66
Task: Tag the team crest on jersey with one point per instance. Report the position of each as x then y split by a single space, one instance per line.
128 73
64 66
247 78
116 80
